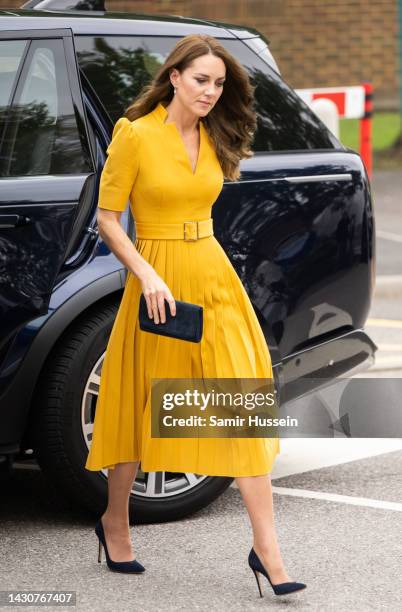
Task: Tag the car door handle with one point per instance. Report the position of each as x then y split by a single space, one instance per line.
305 178
313 178
14 220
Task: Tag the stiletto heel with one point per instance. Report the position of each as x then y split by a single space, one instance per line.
283 588
258 581
128 567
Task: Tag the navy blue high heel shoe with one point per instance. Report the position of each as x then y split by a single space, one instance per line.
128 567
283 588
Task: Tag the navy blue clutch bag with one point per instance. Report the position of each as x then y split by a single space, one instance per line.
187 324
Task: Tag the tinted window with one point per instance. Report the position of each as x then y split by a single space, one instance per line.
119 66
285 122
11 52
40 129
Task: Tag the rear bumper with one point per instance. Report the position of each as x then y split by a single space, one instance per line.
301 372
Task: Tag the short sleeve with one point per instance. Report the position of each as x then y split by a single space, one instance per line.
121 167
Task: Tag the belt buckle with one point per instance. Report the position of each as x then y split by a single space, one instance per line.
184 231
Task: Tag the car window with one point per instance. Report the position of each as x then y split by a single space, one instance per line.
11 53
285 122
40 134
119 66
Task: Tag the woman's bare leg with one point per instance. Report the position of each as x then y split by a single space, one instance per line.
257 495
115 519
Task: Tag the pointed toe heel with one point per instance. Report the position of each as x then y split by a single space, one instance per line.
283 588
127 567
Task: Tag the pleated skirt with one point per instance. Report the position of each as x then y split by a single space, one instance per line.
232 346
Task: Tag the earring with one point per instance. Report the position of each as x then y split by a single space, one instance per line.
174 90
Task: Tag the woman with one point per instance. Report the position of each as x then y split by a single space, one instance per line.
169 154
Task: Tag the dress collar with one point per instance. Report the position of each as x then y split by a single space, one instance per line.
161 113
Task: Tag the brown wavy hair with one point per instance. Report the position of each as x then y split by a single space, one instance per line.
231 123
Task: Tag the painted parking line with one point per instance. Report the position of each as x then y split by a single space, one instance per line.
388 361
389 236
390 347
344 499
300 455
392 361
395 323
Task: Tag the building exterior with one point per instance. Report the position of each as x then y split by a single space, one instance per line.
316 42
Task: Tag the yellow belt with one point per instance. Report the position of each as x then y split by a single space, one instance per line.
187 230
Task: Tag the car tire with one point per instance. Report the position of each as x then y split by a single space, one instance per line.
59 442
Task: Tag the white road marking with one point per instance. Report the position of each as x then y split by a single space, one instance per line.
300 455
390 347
384 323
305 454
344 499
390 361
388 236
380 361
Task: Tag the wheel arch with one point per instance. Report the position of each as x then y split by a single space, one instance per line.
57 421
21 392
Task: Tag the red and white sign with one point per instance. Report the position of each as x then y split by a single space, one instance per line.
350 101
353 102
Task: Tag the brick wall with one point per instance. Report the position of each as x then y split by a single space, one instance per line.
315 42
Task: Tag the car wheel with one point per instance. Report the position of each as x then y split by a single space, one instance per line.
62 423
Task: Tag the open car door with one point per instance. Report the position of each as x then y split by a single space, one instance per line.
46 166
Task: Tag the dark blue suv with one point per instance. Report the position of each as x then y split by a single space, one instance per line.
298 227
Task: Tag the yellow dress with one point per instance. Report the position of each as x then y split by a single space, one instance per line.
148 164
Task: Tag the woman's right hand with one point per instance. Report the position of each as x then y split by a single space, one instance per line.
155 292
